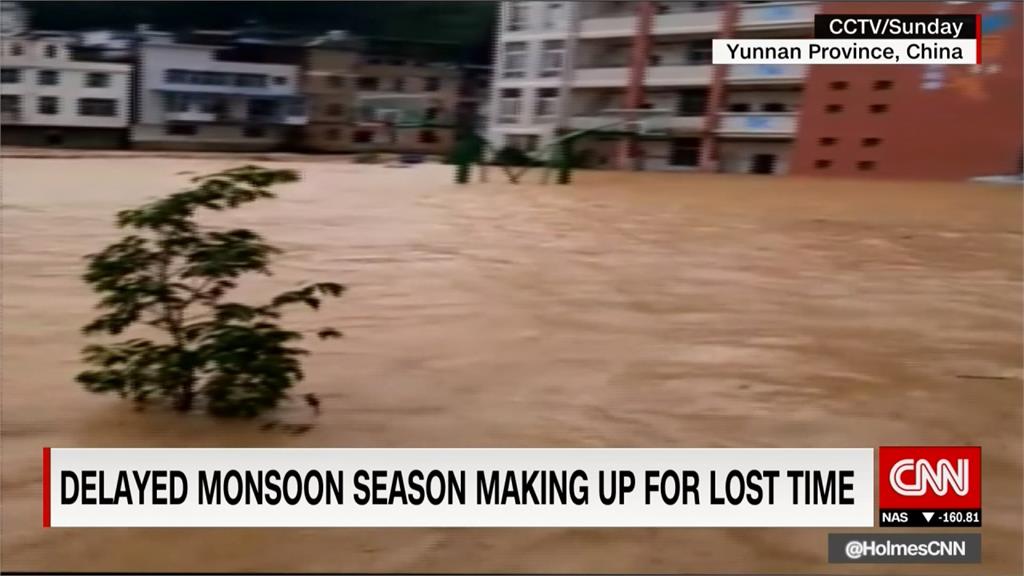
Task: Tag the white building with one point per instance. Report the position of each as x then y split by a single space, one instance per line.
567 66
227 96
52 92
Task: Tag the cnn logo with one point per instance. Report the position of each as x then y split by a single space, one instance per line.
929 477
923 476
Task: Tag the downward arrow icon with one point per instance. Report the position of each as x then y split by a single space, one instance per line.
928 516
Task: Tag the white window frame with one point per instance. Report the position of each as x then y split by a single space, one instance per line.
549 55
518 16
546 107
510 108
517 53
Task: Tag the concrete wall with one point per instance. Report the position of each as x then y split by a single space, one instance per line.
208 137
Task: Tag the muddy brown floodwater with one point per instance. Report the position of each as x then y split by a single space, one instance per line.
627 310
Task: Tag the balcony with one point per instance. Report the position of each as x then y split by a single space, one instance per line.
672 23
660 124
678 76
767 73
768 125
190 116
656 76
778 15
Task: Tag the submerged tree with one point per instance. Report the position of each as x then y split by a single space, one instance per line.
175 276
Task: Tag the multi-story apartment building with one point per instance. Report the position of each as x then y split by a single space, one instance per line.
378 95
217 91
564 66
54 91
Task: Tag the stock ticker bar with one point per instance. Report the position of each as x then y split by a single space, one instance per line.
929 518
897 26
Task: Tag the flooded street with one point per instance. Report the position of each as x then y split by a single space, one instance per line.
627 310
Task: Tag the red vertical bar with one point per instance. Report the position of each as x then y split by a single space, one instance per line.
637 71
46 487
977 38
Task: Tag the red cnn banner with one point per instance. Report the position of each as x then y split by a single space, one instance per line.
929 477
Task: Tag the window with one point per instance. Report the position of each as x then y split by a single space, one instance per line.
211 104
332 134
509 105
518 12
10 75
176 102
10 103
554 15
48 78
17 49
334 109
739 107
839 85
280 80
48 105
97 107
431 84
552 58
242 80
654 60
547 103
514 64
699 52
335 81
822 164
870 142
878 108
773 107
253 132
684 152
175 76
834 108
431 113
362 137
865 165
398 84
368 83
827 141
261 109
97 80
428 137
882 84
692 103
180 130
50 51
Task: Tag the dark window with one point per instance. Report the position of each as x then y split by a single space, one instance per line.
10 75
332 134
428 136
335 81
242 80
827 141
97 80
431 113
692 103
335 109
48 78
883 84
50 51
10 103
362 136
431 84
17 49
254 132
654 60
97 107
871 142
866 165
174 76
684 152
699 52
48 105
739 107
280 80
398 84
878 108
180 129
368 83
838 85
822 164
261 109
54 138
773 107
834 108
